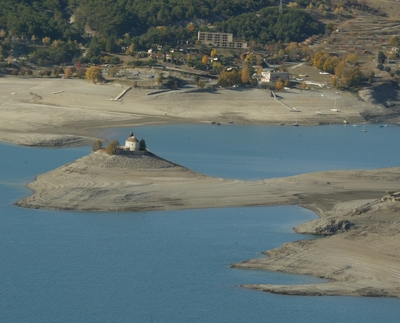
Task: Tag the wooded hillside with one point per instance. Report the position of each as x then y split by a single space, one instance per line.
116 19
63 31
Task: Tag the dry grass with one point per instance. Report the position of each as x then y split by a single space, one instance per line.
363 32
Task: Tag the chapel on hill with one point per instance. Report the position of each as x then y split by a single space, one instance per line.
132 143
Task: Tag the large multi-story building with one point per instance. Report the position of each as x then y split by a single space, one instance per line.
224 40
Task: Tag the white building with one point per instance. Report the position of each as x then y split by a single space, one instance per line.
132 143
274 76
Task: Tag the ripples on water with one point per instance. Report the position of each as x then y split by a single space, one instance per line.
174 266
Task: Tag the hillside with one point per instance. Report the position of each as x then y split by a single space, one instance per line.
355 41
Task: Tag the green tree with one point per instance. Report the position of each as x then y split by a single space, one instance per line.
111 45
381 57
142 144
94 48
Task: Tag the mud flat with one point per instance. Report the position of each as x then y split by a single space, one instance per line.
361 256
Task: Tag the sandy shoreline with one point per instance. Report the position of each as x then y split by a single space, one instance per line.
360 257
78 113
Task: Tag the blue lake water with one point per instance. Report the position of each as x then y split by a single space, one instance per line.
59 266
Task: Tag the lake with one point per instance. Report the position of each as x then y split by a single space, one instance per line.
173 266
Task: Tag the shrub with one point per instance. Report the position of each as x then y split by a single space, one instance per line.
94 74
114 60
150 62
387 69
279 85
370 76
381 57
97 145
113 71
379 66
112 147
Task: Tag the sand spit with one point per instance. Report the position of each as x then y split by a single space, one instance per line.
361 256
